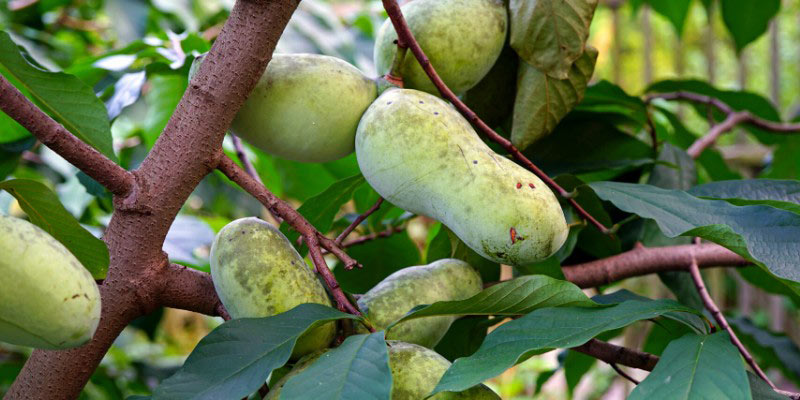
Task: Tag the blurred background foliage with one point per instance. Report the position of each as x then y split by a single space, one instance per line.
135 54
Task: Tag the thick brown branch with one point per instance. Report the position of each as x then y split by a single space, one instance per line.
406 37
694 270
93 163
614 354
648 260
191 290
358 221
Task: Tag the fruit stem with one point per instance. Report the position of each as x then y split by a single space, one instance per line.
395 77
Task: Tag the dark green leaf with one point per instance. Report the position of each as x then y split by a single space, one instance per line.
45 211
606 97
302 181
761 390
464 337
771 350
765 234
746 20
543 330
61 95
358 369
380 257
674 10
662 332
576 365
236 358
321 209
513 297
550 34
783 194
542 101
696 367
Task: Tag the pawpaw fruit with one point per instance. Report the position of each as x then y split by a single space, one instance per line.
257 273
305 107
48 299
443 280
415 372
461 38
420 154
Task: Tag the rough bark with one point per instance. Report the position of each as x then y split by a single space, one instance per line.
187 150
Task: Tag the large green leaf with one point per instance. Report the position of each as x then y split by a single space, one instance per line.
236 358
783 194
764 234
514 297
769 349
61 95
358 369
543 330
542 101
45 211
746 20
550 34
321 209
696 367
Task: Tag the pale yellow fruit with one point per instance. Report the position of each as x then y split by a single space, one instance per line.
48 300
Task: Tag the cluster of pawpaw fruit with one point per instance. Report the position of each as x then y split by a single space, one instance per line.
48 299
412 147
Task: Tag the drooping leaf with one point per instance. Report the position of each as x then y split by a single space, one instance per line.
696 367
576 365
675 11
45 211
517 296
542 101
358 369
761 233
783 194
771 350
236 358
61 95
550 34
543 330
746 20
321 209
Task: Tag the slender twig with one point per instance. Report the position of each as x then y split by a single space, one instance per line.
358 221
406 38
372 236
694 270
623 374
106 172
714 133
612 353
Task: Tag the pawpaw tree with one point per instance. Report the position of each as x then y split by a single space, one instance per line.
383 200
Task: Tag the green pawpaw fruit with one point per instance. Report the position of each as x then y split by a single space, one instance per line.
420 154
257 273
305 107
443 280
462 39
415 372
48 299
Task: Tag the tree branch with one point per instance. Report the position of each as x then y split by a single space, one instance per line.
358 221
694 270
643 261
614 354
93 163
714 133
406 38
191 290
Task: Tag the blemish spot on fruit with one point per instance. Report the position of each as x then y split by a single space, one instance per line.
474 161
519 185
421 102
388 102
531 185
75 296
513 233
435 113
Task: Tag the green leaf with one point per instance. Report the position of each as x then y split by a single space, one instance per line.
746 20
771 350
696 367
358 369
605 97
321 209
61 95
236 358
517 296
761 233
550 34
380 258
542 101
45 211
675 11
464 337
163 96
543 330
302 181
783 194
761 390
